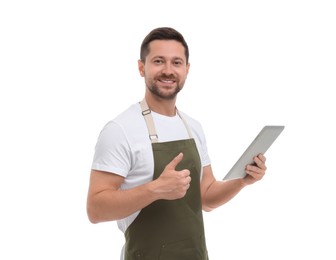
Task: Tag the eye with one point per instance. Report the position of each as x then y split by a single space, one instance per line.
158 61
178 62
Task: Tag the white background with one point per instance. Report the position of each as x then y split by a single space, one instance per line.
67 67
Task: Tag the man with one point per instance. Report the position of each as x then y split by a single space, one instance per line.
151 171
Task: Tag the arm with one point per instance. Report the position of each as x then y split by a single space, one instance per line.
216 193
106 202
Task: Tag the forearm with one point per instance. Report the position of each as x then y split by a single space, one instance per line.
108 205
220 192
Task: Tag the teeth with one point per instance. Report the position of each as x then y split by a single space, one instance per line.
167 80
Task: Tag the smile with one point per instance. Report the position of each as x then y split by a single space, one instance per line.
167 81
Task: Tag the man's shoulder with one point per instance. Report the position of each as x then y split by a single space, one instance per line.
128 124
133 112
190 119
130 121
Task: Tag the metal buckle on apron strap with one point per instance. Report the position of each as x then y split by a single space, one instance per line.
146 112
153 137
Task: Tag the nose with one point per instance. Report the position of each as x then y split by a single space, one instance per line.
168 68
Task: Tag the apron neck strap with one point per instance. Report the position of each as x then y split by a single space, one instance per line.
146 112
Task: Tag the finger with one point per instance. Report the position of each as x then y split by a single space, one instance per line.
260 162
255 175
188 179
185 173
262 157
255 172
254 169
175 162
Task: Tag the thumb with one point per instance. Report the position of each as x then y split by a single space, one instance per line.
175 162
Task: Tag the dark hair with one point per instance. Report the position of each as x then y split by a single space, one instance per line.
162 33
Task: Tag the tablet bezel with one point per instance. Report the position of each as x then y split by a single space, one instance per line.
260 144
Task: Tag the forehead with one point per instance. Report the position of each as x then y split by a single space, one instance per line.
167 49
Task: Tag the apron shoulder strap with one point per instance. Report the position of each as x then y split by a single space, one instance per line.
149 121
185 123
146 112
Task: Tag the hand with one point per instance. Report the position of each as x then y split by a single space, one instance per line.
173 184
256 171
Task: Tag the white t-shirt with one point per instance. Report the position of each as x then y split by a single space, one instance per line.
124 147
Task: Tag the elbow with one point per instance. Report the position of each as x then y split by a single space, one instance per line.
206 204
92 216
207 209
98 211
95 215
93 212
93 220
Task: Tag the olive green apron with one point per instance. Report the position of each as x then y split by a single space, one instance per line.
170 229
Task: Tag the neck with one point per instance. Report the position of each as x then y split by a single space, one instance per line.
161 106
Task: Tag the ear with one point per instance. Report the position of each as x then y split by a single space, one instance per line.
141 67
188 67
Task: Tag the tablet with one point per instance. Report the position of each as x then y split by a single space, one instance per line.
260 144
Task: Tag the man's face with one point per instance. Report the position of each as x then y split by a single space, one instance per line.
165 69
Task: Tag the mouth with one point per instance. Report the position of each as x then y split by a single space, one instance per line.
167 81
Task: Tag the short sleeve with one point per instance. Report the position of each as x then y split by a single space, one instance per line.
112 152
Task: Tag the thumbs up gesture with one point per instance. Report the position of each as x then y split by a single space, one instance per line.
173 184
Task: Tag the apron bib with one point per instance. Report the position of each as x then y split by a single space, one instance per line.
169 229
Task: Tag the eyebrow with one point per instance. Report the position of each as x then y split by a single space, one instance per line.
163 57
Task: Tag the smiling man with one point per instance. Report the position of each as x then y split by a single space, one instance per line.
161 68
151 170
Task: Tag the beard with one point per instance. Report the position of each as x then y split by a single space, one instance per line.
160 92
154 89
